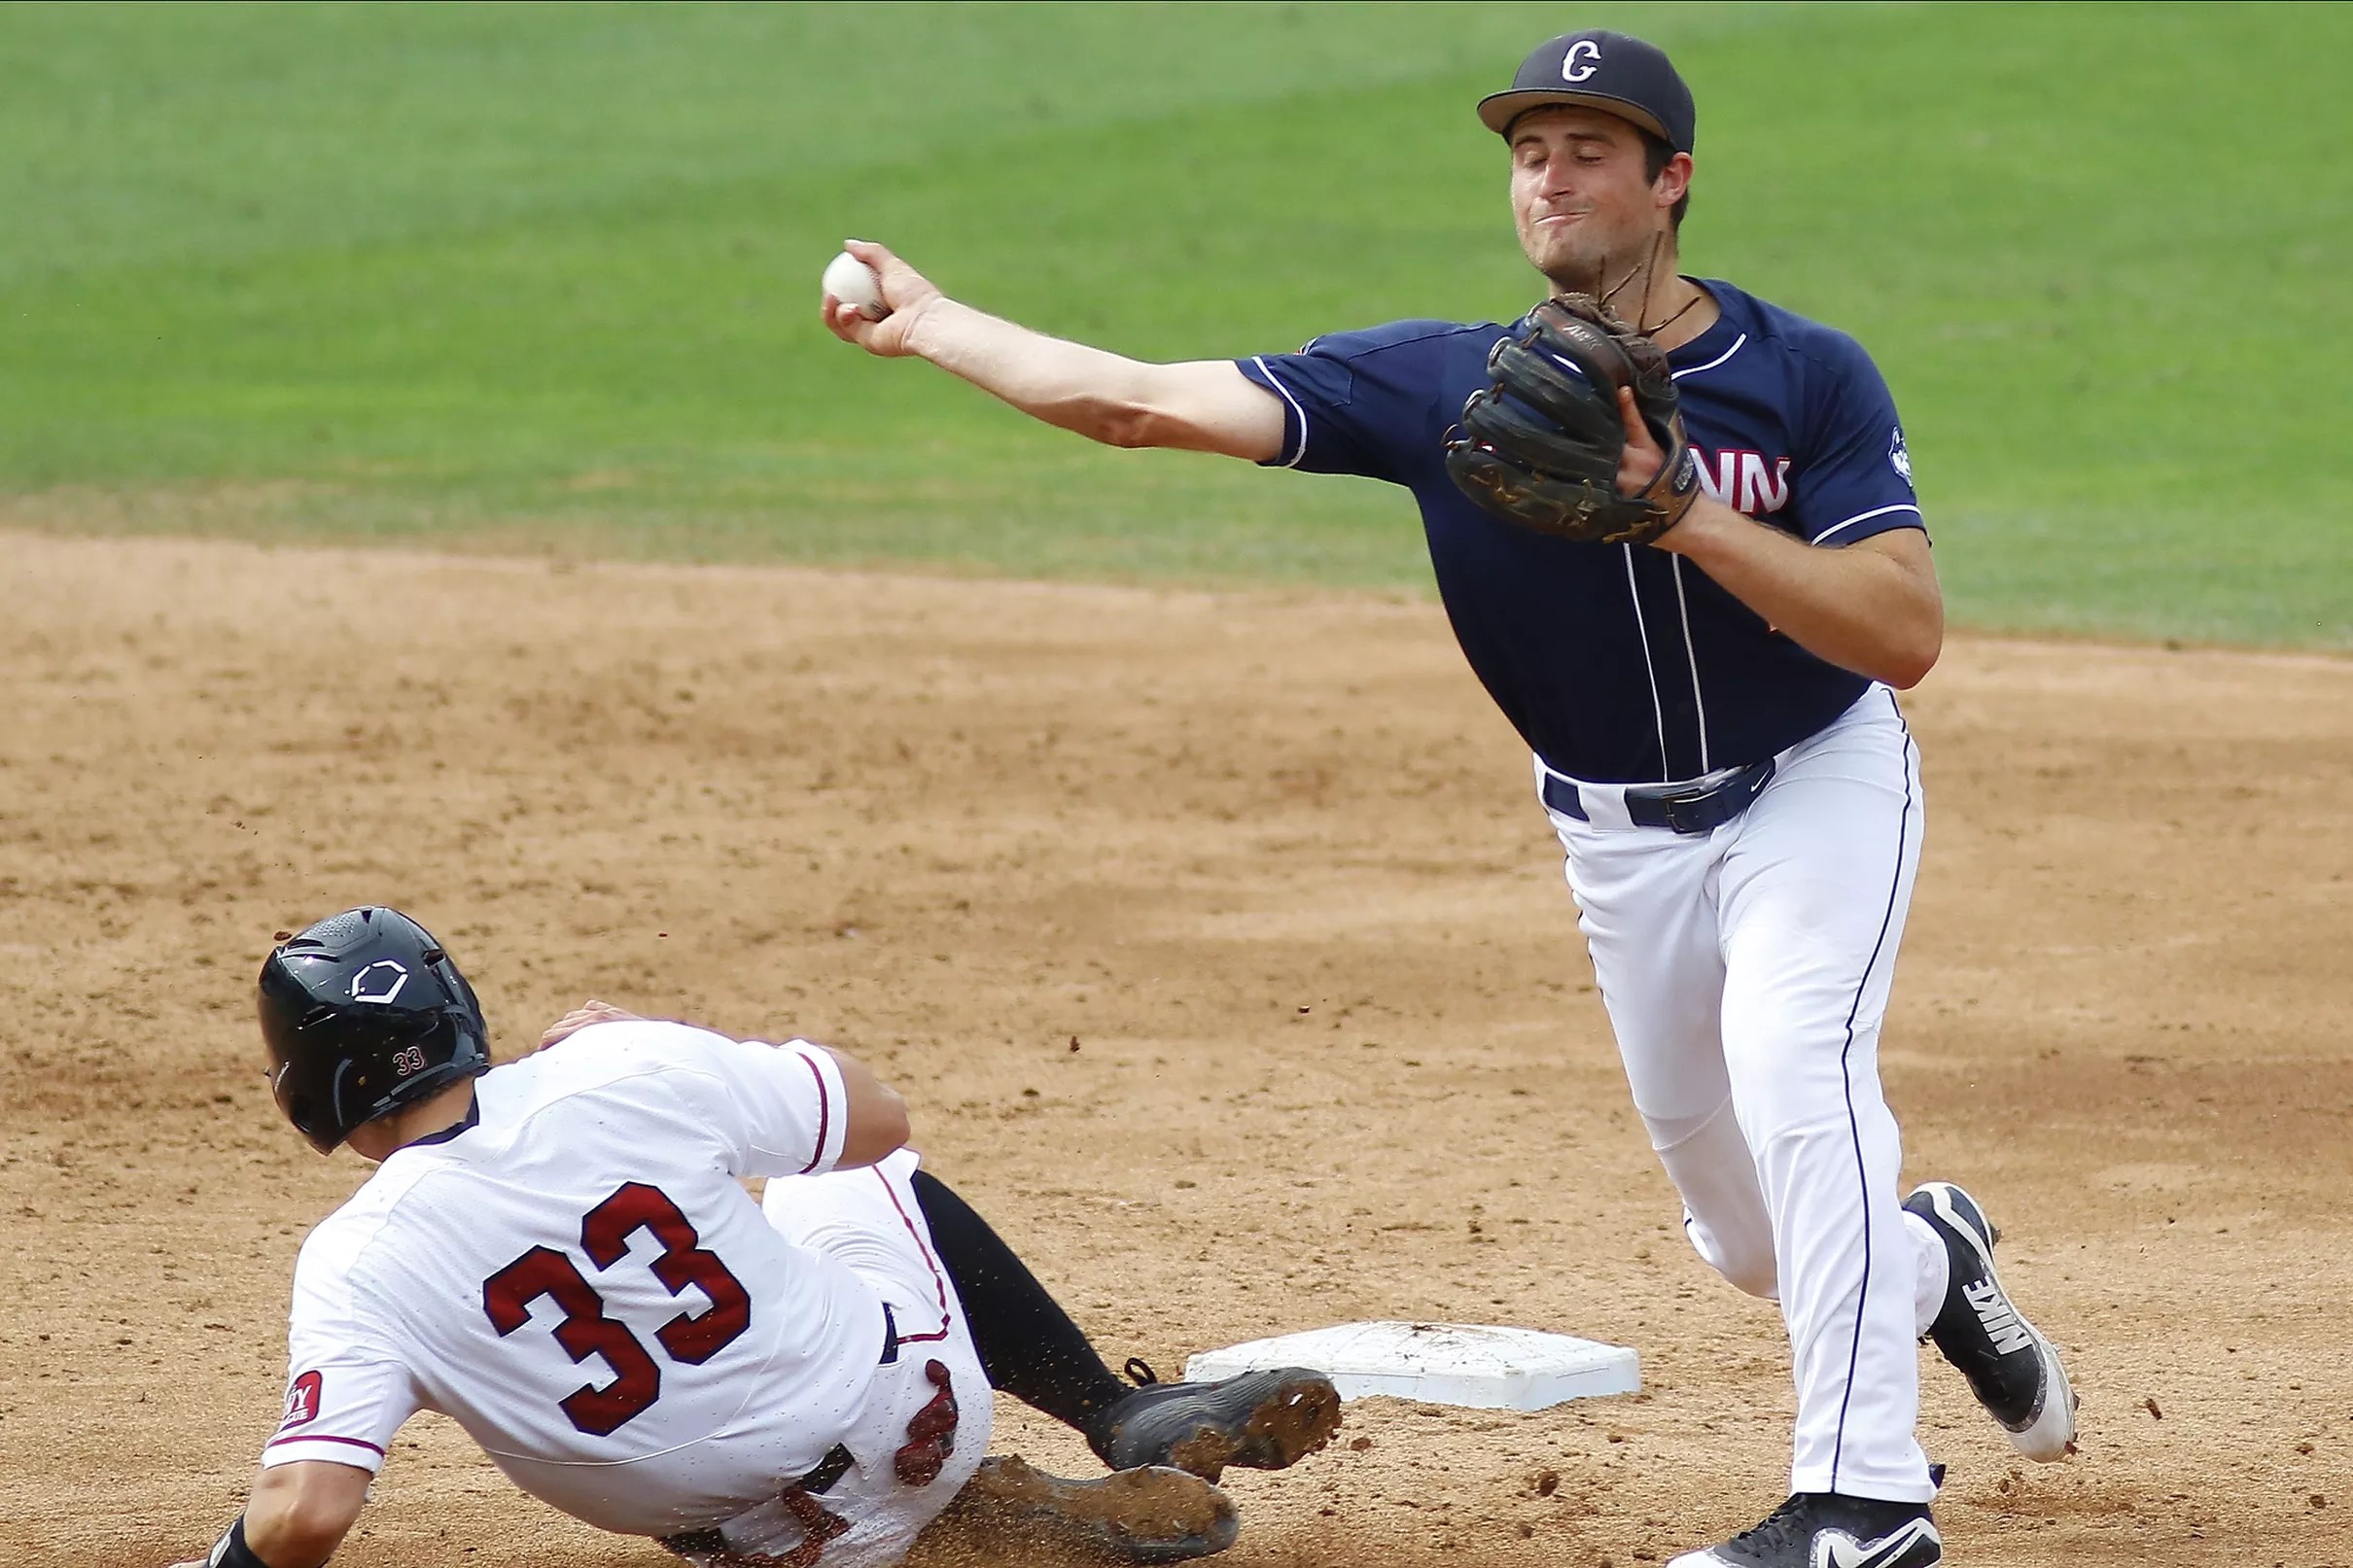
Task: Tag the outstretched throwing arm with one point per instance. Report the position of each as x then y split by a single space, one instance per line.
1202 406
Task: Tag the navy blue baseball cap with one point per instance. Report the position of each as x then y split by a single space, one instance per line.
1597 69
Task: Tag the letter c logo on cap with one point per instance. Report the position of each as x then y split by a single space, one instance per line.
1583 56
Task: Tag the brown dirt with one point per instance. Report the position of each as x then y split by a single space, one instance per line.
1223 954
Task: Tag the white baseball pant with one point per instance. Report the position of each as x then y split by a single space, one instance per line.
1746 972
868 1219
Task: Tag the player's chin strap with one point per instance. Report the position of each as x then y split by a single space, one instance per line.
231 1551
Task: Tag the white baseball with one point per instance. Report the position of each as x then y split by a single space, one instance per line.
853 283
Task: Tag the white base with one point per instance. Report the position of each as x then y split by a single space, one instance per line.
1493 1368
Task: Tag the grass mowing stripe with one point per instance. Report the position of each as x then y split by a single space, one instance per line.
146 132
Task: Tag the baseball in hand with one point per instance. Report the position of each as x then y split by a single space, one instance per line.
853 283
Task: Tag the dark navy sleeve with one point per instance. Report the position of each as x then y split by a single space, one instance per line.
1356 403
1854 478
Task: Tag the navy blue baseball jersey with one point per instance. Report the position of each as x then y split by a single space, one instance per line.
1621 663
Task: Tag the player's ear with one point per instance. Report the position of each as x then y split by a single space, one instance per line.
1673 181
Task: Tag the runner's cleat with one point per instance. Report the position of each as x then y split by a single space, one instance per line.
1148 1515
1261 1421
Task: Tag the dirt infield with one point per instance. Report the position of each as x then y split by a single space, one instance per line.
1222 953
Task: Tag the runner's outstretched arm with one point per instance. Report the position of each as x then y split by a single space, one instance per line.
297 1514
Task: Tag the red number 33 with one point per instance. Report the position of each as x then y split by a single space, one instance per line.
586 1331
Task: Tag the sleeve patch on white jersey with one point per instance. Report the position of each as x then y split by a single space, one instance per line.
303 1401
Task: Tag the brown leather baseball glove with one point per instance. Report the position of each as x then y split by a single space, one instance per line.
1540 443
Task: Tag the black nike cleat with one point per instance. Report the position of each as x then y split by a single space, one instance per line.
1144 1516
1261 1421
2014 1371
1830 1530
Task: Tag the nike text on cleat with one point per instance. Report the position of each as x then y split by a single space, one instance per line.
1830 1530
1261 1421
2014 1371
1997 1319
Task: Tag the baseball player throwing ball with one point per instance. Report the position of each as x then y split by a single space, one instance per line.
559 1255
1674 528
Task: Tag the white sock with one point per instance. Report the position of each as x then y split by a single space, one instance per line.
1933 1276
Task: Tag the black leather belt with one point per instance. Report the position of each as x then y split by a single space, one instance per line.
1698 806
832 1468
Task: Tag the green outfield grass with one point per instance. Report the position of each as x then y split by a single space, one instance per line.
544 278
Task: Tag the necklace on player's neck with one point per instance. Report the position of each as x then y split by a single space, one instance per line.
1696 295
1649 272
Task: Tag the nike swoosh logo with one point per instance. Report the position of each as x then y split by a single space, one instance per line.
1845 1552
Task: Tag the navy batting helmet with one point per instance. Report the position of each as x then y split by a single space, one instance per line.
365 1013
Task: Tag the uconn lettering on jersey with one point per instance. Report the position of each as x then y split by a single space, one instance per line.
1748 482
1793 426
